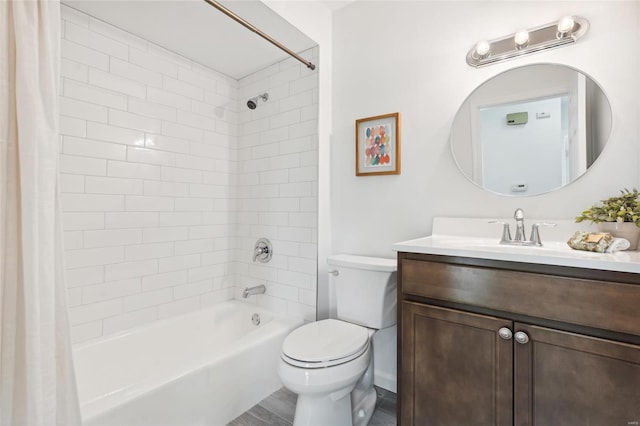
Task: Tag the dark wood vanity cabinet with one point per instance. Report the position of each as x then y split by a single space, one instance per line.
498 343
572 379
455 370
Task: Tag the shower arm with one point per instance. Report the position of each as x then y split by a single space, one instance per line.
248 25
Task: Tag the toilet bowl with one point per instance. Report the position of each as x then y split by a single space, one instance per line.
323 362
329 363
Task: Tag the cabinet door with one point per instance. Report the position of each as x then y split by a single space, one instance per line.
455 368
570 379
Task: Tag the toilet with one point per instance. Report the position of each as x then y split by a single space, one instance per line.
329 363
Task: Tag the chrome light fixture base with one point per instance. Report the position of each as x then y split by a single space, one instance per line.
544 37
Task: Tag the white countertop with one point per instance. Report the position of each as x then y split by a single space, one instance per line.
477 244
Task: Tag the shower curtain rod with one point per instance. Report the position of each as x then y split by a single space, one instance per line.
248 25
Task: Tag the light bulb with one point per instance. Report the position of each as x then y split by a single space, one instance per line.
565 25
482 48
521 38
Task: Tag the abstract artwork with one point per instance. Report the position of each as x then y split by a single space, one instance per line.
378 145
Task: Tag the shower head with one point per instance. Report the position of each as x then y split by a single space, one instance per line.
253 102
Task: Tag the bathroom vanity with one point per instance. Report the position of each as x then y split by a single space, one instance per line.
492 335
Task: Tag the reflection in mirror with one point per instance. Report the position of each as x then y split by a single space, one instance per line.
531 129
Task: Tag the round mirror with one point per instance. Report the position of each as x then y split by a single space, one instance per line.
531 129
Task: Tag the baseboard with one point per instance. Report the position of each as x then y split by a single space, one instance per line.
386 381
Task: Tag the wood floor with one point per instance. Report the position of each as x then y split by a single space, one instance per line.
278 408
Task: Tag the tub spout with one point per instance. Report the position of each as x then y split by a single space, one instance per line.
250 291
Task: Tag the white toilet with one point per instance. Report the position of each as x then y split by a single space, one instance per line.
329 363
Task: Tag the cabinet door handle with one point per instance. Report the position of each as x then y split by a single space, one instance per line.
521 337
505 333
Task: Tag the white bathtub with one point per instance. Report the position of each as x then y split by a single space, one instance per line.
204 368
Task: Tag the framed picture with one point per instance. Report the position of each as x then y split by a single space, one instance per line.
378 145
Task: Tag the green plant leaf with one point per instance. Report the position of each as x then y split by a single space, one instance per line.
623 208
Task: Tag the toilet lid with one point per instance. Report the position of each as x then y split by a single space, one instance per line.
326 342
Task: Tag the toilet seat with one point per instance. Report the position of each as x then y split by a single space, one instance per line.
325 343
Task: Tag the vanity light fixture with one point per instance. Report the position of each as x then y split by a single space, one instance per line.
483 49
565 26
521 39
555 34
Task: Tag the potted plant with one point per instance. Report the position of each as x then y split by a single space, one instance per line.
620 216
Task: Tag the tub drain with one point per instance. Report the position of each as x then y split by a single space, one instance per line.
255 319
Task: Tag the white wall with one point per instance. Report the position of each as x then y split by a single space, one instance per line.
410 57
415 64
147 166
315 20
278 185
162 199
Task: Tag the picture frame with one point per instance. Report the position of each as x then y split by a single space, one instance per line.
378 145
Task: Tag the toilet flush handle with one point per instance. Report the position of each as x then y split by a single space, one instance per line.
334 272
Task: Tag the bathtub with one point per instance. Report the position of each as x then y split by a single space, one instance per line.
203 368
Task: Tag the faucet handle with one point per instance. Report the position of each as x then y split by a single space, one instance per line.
535 232
263 250
506 231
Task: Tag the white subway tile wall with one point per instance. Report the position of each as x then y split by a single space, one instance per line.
167 181
277 185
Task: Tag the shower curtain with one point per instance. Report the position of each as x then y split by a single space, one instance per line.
37 383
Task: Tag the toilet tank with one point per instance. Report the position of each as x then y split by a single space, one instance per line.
365 289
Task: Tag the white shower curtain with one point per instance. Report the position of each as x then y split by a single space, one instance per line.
37 383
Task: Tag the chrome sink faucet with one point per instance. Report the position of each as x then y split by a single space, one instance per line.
521 237
518 215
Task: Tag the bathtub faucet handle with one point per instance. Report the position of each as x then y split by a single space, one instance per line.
259 251
263 251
